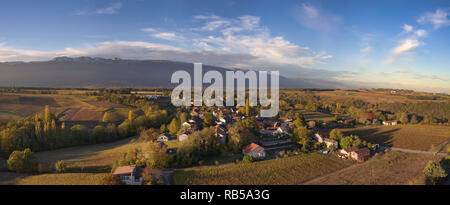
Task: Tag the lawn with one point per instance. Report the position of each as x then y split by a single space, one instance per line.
63 179
416 137
288 170
393 168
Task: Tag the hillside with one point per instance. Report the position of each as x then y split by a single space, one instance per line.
99 72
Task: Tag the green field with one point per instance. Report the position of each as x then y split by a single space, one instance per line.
416 137
289 170
388 169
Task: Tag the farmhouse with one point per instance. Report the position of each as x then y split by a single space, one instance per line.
358 154
321 135
390 122
130 175
254 150
362 154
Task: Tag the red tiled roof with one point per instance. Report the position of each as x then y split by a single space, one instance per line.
125 170
324 133
363 151
351 149
252 146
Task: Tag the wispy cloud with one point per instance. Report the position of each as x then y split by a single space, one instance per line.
168 36
437 19
406 44
111 9
313 18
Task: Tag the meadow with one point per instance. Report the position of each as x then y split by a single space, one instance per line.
392 168
287 170
416 137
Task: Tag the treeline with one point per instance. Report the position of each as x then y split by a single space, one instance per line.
435 111
43 131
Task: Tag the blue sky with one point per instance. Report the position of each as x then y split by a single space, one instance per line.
393 44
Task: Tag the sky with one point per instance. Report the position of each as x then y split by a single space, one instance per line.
389 44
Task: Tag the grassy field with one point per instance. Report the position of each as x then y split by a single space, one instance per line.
92 158
388 169
86 164
417 137
289 170
62 179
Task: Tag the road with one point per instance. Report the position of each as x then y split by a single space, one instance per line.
166 176
413 151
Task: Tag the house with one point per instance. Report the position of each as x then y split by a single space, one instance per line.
254 150
283 130
129 175
346 152
358 154
269 131
331 143
390 122
186 125
163 138
221 133
321 135
183 136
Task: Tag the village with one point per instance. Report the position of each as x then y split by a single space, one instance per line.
274 138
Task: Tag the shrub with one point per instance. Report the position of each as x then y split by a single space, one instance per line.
434 172
247 159
23 161
111 179
60 166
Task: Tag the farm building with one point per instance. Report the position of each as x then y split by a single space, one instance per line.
358 154
254 150
130 175
391 122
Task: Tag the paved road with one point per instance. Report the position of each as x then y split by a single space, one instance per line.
166 176
413 151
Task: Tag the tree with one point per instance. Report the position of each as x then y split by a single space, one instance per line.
183 117
106 117
404 118
163 128
111 179
60 166
414 119
247 108
434 172
299 120
208 119
174 126
336 134
247 159
23 161
147 178
350 141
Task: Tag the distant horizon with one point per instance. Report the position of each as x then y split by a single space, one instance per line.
112 87
394 44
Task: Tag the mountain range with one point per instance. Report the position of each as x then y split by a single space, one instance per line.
89 72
